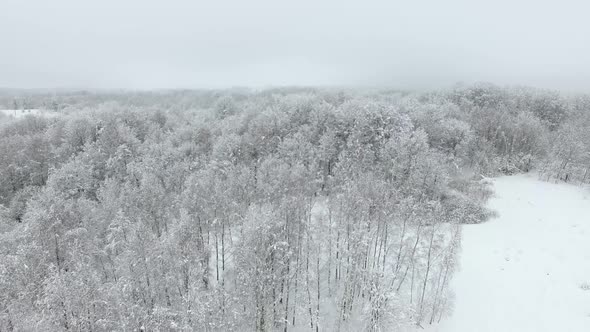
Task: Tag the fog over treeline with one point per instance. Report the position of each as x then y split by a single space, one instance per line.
146 44
239 210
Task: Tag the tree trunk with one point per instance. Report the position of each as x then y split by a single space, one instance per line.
428 263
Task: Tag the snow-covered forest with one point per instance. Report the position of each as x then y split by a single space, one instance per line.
291 209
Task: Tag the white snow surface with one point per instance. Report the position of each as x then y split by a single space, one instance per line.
22 113
529 268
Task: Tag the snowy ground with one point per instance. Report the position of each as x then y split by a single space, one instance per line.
21 113
528 269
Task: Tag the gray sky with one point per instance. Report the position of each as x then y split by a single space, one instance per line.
223 43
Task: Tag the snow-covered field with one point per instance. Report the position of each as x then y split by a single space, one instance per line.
21 113
528 269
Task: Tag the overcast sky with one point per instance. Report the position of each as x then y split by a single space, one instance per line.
146 44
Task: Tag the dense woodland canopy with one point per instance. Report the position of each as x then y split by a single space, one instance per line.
286 209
